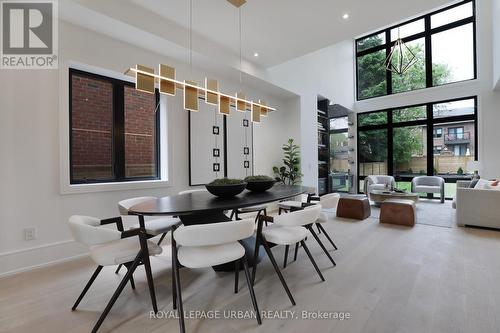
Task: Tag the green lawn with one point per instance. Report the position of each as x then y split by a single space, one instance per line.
449 189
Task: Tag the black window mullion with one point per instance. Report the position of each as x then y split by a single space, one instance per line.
119 130
388 74
428 56
430 140
390 144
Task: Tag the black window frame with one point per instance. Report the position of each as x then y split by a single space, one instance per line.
430 122
427 35
438 133
118 131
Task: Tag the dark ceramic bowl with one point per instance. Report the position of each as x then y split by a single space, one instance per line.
256 186
226 191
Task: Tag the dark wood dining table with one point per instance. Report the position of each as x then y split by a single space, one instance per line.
203 207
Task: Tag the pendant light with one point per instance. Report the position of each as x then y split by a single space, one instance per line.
401 57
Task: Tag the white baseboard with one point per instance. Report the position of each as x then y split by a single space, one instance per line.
19 261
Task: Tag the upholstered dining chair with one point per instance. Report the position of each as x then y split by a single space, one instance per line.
286 229
259 209
155 226
109 247
327 201
206 245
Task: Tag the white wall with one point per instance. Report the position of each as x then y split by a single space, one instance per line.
29 145
327 72
496 44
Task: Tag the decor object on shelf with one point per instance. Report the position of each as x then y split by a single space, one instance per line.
259 183
401 58
289 174
474 166
226 187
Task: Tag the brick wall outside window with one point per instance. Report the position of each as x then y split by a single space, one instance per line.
92 146
140 127
92 126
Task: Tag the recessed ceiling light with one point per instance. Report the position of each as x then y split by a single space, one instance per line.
256 54
345 16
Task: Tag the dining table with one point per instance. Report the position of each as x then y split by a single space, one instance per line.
203 207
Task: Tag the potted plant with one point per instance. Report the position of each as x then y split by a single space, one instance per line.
289 173
226 187
259 183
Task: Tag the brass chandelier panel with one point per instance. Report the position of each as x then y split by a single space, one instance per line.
146 79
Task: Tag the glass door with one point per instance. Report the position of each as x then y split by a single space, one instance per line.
340 177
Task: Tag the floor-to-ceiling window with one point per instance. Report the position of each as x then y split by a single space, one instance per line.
443 43
437 138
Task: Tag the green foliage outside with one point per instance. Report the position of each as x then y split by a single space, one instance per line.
408 141
372 72
289 173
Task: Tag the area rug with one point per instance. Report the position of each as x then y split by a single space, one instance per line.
429 212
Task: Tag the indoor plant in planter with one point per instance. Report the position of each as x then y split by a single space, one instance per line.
259 183
289 173
226 187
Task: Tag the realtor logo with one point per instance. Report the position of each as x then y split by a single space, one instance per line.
29 34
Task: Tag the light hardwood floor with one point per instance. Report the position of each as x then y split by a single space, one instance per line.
389 278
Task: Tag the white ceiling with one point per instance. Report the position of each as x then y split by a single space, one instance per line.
279 30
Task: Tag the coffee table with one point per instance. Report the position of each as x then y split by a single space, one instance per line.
379 196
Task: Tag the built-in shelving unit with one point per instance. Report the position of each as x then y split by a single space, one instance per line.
323 146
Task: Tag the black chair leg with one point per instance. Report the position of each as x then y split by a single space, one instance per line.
286 256
149 274
296 252
277 269
312 260
265 214
236 275
132 282
321 244
87 286
250 289
327 236
174 292
180 310
255 257
319 230
117 292
161 239
232 214
118 268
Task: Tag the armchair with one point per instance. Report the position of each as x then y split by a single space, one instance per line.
428 184
378 182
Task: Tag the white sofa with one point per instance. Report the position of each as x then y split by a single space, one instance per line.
477 207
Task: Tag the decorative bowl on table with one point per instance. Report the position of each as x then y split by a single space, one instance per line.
226 187
259 183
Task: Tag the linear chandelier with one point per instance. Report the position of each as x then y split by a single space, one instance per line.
146 80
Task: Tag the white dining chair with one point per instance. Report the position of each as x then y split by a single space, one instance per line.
206 245
154 226
259 209
327 201
286 229
109 247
